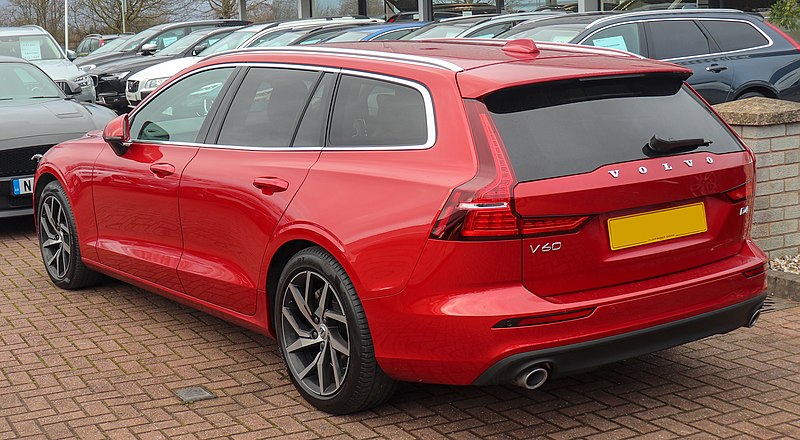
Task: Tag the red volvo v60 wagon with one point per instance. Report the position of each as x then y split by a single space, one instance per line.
457 212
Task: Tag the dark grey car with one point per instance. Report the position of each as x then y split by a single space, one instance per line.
35 115
733 54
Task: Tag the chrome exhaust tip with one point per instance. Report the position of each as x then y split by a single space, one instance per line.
532 379
753 318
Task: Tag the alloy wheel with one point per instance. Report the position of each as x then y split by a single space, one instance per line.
55 237
314 334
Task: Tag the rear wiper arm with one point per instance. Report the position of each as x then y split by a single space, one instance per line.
670 145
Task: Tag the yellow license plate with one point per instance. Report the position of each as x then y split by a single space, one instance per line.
654 226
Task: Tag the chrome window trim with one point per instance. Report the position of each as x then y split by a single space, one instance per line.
770 41
430 119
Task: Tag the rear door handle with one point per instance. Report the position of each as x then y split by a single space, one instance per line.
162 169
270 185
716 68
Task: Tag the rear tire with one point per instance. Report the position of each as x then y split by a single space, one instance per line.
58 240
324 337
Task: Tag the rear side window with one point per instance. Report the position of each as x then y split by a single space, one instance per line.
676 39
574 127
734 35
266 109
373 112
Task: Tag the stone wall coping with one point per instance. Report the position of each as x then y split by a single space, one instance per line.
759 111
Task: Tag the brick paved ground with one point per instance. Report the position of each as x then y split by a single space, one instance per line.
101 363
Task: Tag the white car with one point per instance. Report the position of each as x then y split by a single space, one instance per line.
141 84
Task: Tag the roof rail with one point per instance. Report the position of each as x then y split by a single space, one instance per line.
359 53
656 12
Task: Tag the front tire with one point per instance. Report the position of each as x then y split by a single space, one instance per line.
324 338
58 240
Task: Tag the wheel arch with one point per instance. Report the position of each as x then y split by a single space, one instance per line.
288 241
43 178
762 88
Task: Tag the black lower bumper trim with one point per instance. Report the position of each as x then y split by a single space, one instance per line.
586 356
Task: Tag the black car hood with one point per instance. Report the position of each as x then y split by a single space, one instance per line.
131 65
43 122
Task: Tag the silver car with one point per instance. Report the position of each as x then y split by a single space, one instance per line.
40 48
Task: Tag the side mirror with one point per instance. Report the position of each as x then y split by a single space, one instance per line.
149 49
199 48
116 134
73 89
71 55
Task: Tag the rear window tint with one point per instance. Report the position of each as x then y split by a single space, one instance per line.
676 39
372 112
574 127
734 35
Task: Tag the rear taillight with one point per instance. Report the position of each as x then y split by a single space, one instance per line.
783 34
481 208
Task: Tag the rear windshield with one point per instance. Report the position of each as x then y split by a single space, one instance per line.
577 126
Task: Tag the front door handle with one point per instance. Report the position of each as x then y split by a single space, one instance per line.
162 169
270 185
716 68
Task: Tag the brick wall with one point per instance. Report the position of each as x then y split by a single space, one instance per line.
771 128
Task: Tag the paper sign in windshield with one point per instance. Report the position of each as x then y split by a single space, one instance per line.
30 49
562 38
616 42
169 40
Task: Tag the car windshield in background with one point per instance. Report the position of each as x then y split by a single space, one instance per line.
573 127
22 81
30 47
356 35
181 45
231 41
439 31
137 39
112 46
562 33
281 38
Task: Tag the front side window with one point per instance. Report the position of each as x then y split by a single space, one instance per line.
393 35
267 107
178 113
623 37
168 37
677 39
373 112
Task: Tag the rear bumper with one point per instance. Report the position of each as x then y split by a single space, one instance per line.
585 356
453 337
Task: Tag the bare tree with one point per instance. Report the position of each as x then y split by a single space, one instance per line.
106 15
48 14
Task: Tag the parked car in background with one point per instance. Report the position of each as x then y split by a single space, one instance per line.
501 23
151 40
592 208
112 46
92 42
111 78
414 16
301 34
143 83
36 45
35 114
733 54
376 32
447 27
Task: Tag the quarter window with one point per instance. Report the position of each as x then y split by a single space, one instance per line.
623 37
676 39
177 113
266 109
372 112
734 35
